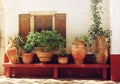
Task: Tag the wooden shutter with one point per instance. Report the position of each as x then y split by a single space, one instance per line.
42 22
60 23
24 25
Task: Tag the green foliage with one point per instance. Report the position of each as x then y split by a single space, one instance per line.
17 41
49 40
30 43
28 47
31 38
96 29
62 53
86 40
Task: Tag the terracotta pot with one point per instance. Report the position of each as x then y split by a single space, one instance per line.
63 60
79 51
102 48
27 58
44 56
94 47
12 55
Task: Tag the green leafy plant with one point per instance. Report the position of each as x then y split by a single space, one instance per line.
62 53
17 41
30 43
96 29
49 40
85 38
28 47
31 38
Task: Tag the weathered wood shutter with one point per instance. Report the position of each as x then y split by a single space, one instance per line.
60 23
24 25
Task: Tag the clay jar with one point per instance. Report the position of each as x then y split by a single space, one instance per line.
79 51
102 55
11 53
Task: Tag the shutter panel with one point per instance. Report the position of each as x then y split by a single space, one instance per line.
24 25
60 23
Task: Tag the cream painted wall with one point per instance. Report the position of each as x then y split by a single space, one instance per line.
115 25
77 11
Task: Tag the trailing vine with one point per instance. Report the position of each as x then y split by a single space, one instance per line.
96 11
96 29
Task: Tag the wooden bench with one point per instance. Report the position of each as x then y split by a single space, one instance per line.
55 67
14 70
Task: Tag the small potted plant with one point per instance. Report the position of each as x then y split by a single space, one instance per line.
28 55
14 48
48 41
62 56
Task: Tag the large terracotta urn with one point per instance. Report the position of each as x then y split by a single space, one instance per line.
79 51
102 50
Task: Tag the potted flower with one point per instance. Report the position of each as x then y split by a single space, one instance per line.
48 41
62 56
28 55
14 48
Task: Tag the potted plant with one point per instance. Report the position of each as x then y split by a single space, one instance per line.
62 56
79 51
14 48
48 41
97 35
28 55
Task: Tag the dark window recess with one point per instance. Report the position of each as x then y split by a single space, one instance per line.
42 22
